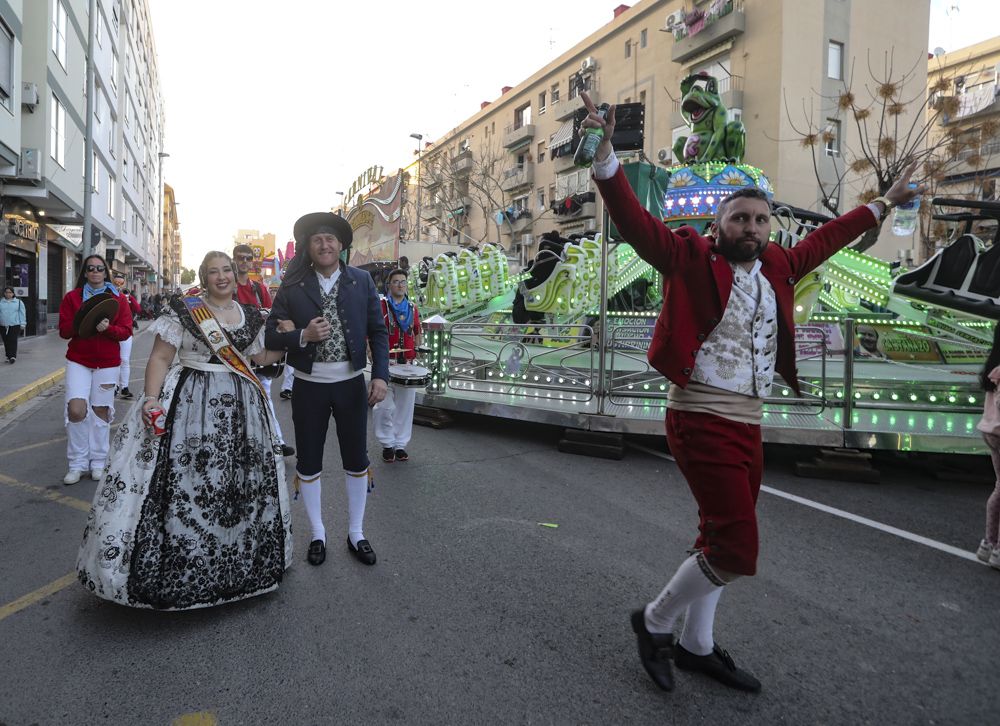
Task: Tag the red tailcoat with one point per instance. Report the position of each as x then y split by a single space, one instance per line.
697 279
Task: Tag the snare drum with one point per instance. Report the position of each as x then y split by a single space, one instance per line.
407 374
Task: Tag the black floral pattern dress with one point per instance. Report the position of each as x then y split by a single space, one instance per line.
199 516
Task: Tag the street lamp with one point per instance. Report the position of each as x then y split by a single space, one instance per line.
419 138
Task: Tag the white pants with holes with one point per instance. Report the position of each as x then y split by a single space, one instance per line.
88 441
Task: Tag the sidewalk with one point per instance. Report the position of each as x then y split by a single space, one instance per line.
40 365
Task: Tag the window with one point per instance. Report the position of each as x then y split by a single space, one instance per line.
111 196
97 102
114 71
97 174
554 94
125 167
831 137
112 133
642 98
541 103
540 155
57 135
575 182
579 82
59 31
6 66
522 116
99 32
642 38
835 61
128 109
628 48
520 204
541 198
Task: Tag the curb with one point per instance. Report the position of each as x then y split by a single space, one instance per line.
15 399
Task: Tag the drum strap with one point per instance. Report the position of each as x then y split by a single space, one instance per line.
216 338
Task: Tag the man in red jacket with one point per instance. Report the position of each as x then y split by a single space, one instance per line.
725 328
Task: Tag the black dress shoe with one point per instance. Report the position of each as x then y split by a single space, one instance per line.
287 450
364 551
388 455
317 552
718 665
286 394
125 393
655 650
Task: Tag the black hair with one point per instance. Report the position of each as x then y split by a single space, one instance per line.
742 193
8 287
396 271
992 361
81 279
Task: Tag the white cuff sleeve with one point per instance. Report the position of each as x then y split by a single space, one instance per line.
302 338
876 210
607 168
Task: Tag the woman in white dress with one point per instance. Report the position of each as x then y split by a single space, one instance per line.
198 516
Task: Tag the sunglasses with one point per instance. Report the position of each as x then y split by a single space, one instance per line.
95 268
245 258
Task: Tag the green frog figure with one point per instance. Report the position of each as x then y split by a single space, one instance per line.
711 137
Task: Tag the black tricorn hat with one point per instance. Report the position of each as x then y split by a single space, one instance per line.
308 224
96 309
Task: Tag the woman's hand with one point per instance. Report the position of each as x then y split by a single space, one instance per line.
103 325
147 406
285 326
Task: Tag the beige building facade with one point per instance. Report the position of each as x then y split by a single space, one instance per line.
505 174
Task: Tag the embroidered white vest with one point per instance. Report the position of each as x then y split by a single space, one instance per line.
739 354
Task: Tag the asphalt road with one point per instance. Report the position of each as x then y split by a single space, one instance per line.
476 613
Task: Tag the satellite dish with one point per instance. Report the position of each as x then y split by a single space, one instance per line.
938 51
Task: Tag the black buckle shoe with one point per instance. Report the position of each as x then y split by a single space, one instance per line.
317 552
363 552
718 665
388 455
286 394
655 650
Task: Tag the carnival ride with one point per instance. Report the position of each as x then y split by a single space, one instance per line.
888 358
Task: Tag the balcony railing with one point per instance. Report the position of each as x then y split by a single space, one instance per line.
462 163
694 38
518 176
518 135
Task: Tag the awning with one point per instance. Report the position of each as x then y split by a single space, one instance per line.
563 136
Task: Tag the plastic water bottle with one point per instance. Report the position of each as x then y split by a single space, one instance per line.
904 220
584 155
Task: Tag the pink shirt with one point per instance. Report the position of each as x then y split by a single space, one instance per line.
990 422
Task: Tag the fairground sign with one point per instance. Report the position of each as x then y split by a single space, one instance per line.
370 177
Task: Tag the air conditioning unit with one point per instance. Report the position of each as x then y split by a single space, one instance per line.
588 64
29 95
664 155
674 19
30 165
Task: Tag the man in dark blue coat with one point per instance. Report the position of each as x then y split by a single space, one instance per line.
336 313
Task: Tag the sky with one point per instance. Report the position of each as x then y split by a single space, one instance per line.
271 108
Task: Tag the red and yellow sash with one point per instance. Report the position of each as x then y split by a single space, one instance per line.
214 335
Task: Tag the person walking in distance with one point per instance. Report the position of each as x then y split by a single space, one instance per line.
724 330
13 319
393 417
253 292
125 368
337 318
989 426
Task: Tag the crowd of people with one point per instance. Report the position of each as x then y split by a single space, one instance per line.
193 509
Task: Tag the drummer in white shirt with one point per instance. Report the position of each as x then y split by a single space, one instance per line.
393 417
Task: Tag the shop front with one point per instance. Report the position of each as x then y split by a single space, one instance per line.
21 248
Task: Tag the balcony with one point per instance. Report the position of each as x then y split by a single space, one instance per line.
519 225
570 106
461 165
431 212
712 32
515 136
575 207
517 177
731 91
976 102
562 163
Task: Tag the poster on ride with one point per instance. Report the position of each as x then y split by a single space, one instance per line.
887 342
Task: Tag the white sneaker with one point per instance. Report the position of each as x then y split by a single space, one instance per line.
995 559
97 474
983 553
72 476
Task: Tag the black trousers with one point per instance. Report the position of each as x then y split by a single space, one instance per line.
9 335
312 406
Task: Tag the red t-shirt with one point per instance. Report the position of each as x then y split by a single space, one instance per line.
248 294
97 351
395 331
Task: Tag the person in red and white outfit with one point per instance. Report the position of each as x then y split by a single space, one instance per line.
725 329
125 368
393 417
91 373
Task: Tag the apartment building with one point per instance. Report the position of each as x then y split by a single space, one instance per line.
964 88
43 128
171 245
506 173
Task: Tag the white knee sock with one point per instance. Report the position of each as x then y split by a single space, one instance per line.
311 491
357 495
688 584
697 636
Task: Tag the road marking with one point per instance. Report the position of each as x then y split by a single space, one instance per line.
47 493
40 594
199 718
19 449
887 528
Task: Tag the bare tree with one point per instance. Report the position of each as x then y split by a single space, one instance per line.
895 127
